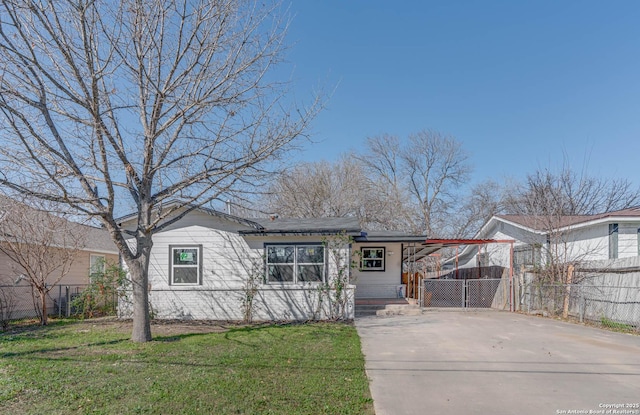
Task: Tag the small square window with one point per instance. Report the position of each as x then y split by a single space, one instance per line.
186 266
372 259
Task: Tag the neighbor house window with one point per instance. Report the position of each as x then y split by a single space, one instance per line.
372 259
97 264
526 256
185 265
295 263
613 240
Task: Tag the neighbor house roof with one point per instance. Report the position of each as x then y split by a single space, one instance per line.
94 239
544 223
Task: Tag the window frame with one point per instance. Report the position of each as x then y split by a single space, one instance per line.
527 255
198 266
91 264
382 258
295 263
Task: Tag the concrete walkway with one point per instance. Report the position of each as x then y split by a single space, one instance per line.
489 362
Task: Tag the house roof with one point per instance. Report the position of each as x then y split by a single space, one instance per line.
304 226
237 219
543 223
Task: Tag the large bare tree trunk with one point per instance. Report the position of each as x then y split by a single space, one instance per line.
141 320
139 274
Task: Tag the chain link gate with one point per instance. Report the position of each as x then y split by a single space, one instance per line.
477 293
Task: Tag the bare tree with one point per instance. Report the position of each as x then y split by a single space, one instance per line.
318 189
115 105
474 209
41 245
334 189
422 175
436 166
569 193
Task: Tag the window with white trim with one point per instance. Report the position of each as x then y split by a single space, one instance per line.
97 264
185 266
372 259
295 263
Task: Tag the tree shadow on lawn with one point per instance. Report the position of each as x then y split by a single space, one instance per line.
62 349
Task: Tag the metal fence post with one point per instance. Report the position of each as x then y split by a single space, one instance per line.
463 291
68 295
59 301
583 306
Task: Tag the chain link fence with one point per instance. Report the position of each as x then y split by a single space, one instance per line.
611 305
472 293
22 301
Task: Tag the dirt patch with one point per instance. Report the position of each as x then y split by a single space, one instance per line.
159 328
162 327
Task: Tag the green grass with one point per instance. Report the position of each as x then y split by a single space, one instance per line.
83 367
615 326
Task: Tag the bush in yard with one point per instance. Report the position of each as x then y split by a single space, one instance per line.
101 296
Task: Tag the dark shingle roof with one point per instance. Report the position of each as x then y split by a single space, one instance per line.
305 226
388 236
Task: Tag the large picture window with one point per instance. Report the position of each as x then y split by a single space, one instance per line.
295 263
186 265
372 259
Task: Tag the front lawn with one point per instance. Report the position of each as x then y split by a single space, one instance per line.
89 367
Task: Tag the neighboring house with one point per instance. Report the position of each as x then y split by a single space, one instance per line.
568 239
211 265
93 247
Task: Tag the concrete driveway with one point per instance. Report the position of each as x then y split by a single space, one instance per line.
490 362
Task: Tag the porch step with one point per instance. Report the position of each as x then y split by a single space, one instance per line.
363 310
400 310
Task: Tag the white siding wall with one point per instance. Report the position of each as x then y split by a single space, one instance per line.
628 240
379 284
228 260
585 244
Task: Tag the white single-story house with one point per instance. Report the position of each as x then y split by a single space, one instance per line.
583 238
216 266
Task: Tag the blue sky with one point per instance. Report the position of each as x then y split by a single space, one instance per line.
520 84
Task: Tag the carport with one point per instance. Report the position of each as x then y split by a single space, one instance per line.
408 261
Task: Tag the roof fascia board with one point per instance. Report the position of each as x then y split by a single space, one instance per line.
211 212
600 221
395 239
300 232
